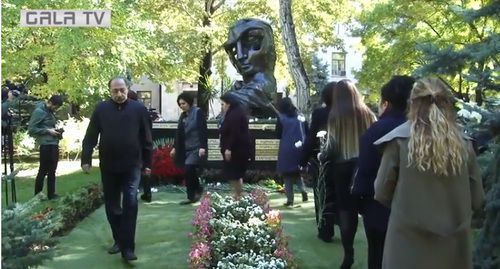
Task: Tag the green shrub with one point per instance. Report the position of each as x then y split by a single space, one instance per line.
76 206
26 239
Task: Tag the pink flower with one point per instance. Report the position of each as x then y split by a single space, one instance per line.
200 256
202 217
260 198
274 218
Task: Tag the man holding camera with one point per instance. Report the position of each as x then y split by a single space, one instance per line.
42 127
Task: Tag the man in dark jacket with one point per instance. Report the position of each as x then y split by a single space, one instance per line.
392 112
42 126
319 121
125 149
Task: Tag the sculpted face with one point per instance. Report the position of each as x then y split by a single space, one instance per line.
250 47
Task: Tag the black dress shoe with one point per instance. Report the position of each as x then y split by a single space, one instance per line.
54 197
325 239
288 204
146 198
114 249
304 197
129 255
348 260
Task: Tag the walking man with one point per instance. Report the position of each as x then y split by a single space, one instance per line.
125 150
42 126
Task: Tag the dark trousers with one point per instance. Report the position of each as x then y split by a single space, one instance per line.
49 157
376 239
122 215
146 185
326 228
347 206
313 171
290 179
193 185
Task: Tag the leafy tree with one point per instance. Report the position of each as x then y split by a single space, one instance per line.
476 62
402 36
165 40
79 61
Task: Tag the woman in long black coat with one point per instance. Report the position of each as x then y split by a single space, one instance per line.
190 147
392 112
235 143
348 120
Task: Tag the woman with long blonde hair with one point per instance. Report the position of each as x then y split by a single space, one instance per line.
430 178
349 119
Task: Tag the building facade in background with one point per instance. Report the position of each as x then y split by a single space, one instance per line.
343 61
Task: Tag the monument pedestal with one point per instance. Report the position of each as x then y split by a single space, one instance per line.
266 144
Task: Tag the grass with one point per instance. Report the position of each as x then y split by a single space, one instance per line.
162 232
162 238
25 186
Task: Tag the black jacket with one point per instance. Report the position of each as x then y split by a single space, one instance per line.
376 216
235 135
180 136
125 136
319 121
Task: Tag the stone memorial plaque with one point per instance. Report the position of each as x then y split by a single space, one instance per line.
266 146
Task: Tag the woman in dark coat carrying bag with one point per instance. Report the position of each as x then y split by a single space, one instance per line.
190 147
235 143
291 129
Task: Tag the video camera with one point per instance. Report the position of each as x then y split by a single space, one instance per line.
60 131
153 115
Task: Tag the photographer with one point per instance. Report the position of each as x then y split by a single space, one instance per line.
7 104
42 127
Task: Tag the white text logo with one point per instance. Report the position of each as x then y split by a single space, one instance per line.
66 18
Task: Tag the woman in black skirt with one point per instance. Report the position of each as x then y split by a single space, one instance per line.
235 143
349 118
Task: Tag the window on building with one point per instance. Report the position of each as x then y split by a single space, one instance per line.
338 64
144 97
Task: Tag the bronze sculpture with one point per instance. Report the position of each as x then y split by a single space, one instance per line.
250 47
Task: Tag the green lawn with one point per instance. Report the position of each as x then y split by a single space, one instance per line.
162 240
162 230
25 186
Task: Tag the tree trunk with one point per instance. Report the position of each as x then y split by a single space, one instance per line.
205 69
295 64
479 96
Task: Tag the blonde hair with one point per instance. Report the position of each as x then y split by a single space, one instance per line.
436 142
349 118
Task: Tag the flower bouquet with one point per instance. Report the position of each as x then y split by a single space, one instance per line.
243 233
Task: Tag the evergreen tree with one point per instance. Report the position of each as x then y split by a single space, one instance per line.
487 251
318 74
476 62
26 240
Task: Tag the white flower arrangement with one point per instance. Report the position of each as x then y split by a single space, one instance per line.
470 115
464 113
476 116
298 144
321 134
301 118
244 226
